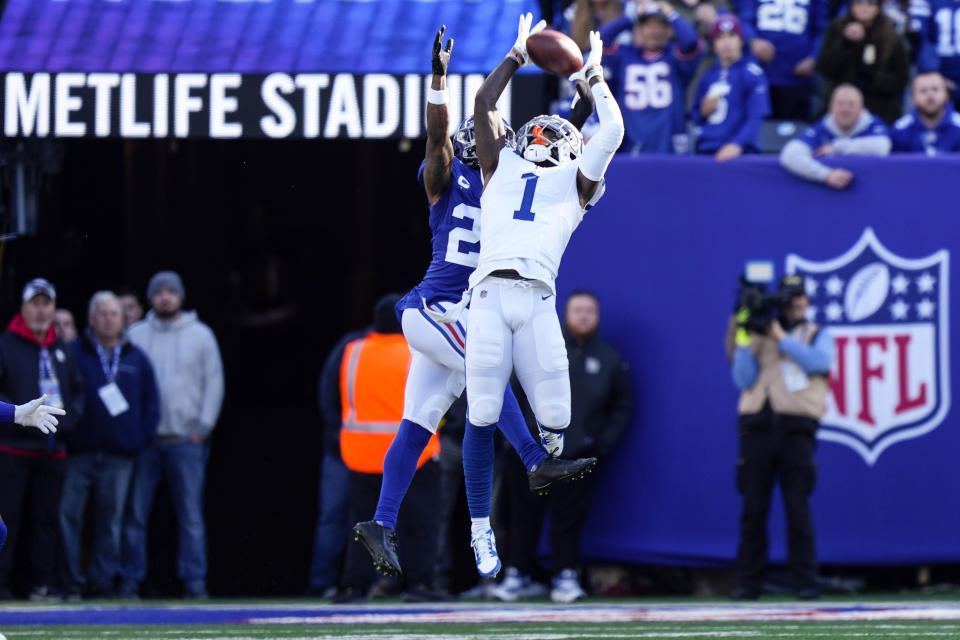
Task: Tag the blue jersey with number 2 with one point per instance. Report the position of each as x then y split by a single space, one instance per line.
455 228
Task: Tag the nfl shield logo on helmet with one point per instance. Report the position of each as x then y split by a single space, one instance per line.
889 318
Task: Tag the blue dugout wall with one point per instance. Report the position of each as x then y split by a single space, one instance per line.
664 249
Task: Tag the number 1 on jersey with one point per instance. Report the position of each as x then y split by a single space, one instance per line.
524 213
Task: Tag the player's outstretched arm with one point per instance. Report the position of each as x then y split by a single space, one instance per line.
487 123
598 153
438 163
582 106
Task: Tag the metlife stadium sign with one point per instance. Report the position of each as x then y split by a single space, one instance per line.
240 68
225 105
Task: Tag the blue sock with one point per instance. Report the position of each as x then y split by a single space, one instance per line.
3 533
514 428
399 465
478 468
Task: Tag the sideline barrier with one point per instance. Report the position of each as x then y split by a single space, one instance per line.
663 250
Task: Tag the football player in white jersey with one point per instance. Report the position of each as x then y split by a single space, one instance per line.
433 323
533 199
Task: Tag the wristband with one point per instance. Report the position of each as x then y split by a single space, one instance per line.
436 97
593 72
516 57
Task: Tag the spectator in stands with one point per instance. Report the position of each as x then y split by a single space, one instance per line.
938 22
333 522
186 359
785 37
64 325
132 309
122 411
701 15
732 98
848 129
601 406
781 371
932 126
650 76
862 48
32 359
372 375
584 16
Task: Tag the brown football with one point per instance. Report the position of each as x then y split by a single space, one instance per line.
554 52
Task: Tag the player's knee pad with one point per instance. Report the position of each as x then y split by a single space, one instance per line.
553 415
429 413
552 402
483 409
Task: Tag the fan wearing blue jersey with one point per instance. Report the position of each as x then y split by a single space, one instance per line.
932 126
433 318
785 37
848 129
938 22
650 76
732 97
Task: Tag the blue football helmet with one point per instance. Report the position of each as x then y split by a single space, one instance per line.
465 142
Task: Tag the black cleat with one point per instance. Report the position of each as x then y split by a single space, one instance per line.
381 543
558 470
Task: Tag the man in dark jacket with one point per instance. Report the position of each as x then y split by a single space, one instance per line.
333 523
122 411
600 412
33 359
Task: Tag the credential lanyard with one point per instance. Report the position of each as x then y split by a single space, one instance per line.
109 370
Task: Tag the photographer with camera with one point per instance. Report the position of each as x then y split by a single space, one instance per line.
780 364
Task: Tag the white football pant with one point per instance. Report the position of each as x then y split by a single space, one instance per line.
513 325
436 376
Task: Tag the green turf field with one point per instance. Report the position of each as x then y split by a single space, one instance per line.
889 617
686 631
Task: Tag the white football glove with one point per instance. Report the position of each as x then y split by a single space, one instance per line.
523 32
593 60
36 414
552 441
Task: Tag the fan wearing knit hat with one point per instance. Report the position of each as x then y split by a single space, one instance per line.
732 97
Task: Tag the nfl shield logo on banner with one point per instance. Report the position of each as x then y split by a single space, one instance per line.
888 316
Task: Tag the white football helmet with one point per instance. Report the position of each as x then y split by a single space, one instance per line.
549 139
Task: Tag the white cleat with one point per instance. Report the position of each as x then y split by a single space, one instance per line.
485 551
566 587
517 586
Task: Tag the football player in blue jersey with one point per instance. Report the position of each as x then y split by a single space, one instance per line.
785 37
32 414
732 97
650 76
847 129
433 316
932 126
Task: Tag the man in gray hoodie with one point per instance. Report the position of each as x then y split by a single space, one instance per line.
848 129
186 359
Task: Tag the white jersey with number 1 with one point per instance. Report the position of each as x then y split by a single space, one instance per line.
528 214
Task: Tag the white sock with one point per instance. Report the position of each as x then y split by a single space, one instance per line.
479 526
